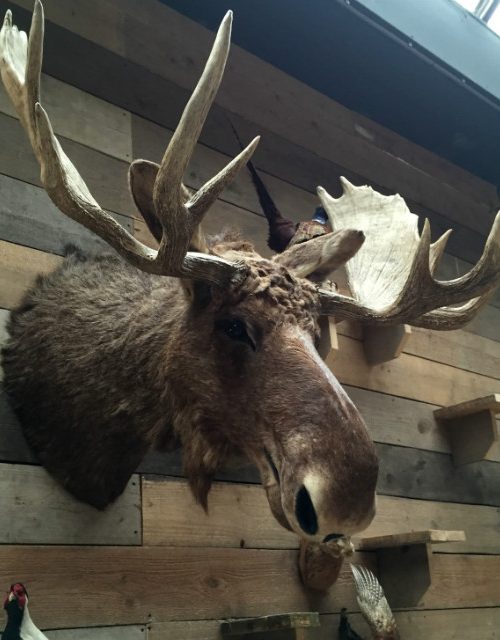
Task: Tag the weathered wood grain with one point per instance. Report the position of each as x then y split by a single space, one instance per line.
480 624
28 217
36 510
456 624
460 349
129 632
239 516
105 176
433 476
82 117
129 585
408 376
134 585
330 130
404 422
186 630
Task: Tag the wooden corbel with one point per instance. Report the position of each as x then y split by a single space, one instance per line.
382 344
471 427
320 564
405 562
328 342
286 626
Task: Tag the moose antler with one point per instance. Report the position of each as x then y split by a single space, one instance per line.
20 67
392 276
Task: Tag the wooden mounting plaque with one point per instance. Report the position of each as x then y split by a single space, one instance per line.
382 344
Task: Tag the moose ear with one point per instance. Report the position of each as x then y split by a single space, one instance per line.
141 180
318 257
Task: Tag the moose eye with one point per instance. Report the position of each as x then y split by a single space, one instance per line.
236 330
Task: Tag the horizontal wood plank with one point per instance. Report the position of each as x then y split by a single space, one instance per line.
404 422
186 630
408 376
134 585
427 475
36 510
135 632
106 177
82 117
29 218
122 585
239 516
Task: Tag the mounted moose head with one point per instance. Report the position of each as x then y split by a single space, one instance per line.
203 342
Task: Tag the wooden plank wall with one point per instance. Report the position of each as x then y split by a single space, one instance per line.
154 565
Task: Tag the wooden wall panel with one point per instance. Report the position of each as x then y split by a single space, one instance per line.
134 585
409 377
331 131
139 90
36 510
120 585
186 630
477 624
239 515
433 476
81 117
106 177
28 217
104 633
459 624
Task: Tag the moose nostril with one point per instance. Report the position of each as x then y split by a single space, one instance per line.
332 536
305 512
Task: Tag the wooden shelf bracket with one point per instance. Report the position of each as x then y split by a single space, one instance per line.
328 342
286 626
405 563
382 344
472 427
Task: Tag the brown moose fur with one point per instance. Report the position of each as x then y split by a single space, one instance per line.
106 362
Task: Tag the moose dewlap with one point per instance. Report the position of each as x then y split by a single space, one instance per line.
203 342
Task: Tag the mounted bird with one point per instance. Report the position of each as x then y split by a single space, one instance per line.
373 606
19 625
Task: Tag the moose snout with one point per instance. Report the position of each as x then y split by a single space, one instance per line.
324 519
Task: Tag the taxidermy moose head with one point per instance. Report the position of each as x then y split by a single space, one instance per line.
203 342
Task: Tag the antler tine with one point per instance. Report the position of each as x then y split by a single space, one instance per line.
20 67
180 219
386 289
453 317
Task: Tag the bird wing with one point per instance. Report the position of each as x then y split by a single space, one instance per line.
373 603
